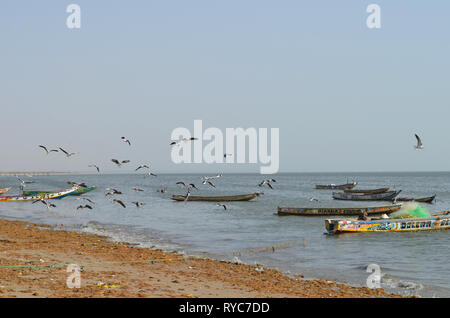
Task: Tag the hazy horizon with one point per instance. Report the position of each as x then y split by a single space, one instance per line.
344 97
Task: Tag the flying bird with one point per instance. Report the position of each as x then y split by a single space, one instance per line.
68 154
222 205
118 163
138 204
268 182
49 205
75 184
313 199
161 190
86 206
24 183
112 191
151 174
209 182
419 143
178 142
46 150
138 189
126 140
142 167
120 202
96 167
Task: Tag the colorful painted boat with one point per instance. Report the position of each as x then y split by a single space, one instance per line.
440 221
229 198
421 200
53 195
372 210
336 187
367 191
4 190
387 196
80 191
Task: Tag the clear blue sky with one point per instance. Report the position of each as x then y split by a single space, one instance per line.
346 98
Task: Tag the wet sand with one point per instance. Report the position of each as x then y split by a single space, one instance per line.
34 259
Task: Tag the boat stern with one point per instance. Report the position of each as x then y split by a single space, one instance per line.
332 226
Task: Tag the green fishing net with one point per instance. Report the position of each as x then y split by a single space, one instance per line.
410 210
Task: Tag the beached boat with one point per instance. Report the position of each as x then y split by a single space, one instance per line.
367 191
421 200
4 190
386 196
53 195
370 210
439 221
226 198
336 187
80 191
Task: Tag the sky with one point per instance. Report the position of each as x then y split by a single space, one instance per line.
344 97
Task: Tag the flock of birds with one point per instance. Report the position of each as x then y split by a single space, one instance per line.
205 180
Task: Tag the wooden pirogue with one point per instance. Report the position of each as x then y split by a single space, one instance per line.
367 191
438 221
54 195
387 196
421 200
4 190
336 187
226 198
373 210
80 191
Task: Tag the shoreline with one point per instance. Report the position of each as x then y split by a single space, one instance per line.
34 259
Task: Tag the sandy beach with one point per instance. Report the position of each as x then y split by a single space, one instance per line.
34 259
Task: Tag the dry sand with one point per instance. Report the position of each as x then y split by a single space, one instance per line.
111 269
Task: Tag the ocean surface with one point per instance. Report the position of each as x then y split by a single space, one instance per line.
410 263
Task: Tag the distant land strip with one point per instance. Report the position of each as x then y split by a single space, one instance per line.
34 173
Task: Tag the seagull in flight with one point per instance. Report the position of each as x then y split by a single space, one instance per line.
138 204
24 183
151 174
161 190
118 163
112 191
138 189
313 199
222 205
419 145
46 150
208 182
189 186
68 154
178 142
268 182
86 206
142 167
120 202
126 140
49 205
75 184
96 167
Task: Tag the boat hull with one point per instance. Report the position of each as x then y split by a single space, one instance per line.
390 225
4 190
80 191
346 186
421 200
242 197
53 195
367 191
387 196
374 210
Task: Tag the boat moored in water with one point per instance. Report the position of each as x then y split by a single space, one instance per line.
227 198
367 191
53 195
386 196
80 191
421 200
336 187
438 221
4 190
372 210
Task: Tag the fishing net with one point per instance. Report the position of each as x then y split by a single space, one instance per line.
410 210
